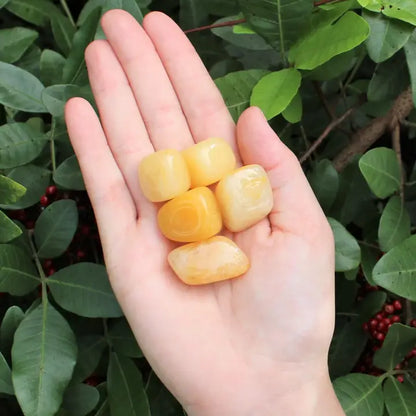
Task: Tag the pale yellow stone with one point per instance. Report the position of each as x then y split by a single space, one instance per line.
245 197
192 216
208 161
164 175
212 260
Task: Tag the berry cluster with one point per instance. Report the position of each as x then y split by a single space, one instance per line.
377 328
85 244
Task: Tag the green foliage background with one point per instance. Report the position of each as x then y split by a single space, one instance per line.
325 75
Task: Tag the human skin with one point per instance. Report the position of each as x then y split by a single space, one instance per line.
253 345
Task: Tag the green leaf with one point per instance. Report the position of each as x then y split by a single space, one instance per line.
51 67
63 31
19 144
389 79
75 70
381 170
274 92
360 394
293 112
162 402
10 190
347 250
18 275
35 179
68 175
396 270
399 398
3 3
84 289
9 230
43 358
90 351
236 88
125 388
410 51
33 11
321 45
192 13
400 339
11 320
394 224
79 400
6 385
247 40
55 97
372 5
324 182
14 43
130 6
279 22
20 89
387 36
122 340
401 9
55 228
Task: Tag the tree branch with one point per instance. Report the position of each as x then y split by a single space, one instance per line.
368 135
325 133
208 27
395 136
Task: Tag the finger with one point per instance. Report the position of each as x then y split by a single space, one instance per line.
105 184
293 197
205 110
155 97
120 117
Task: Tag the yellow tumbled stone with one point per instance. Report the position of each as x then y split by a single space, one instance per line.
245 197
208 161
212 260
164 175
192 216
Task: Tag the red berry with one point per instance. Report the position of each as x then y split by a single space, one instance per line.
50 271
373 323
80 254
44 200
400 379
379 316
85 230
387 321
395 319
397 305
375 348
398 366
412 353
21 215
365 326
381 326
413 323
388 308
374 333
51 190
380 336
47 264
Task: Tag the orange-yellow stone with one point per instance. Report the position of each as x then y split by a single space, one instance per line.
245 197
163 175
212 260
192 216
208 161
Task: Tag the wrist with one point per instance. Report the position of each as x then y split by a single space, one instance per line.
306 396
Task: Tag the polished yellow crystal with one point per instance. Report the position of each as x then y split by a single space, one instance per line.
245 197
164 175
208 161
192 216
212 260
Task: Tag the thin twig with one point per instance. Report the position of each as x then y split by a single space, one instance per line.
395 135
223 24
324 101
408 124
325 133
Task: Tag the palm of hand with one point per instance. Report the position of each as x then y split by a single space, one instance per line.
243 329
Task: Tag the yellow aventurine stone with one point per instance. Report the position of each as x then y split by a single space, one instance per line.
163 175
208 261
208 161
245 197
192 216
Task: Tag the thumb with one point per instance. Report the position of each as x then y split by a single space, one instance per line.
295 209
